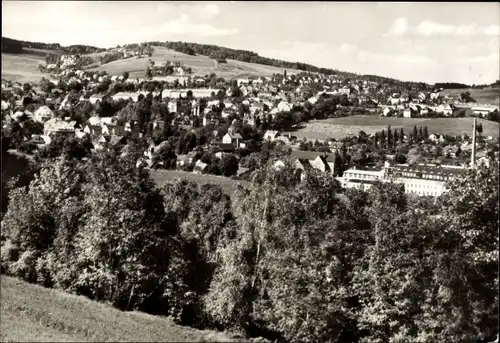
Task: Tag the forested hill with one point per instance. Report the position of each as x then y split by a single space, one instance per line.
221 53
15 46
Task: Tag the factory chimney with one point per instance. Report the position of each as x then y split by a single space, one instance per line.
473 155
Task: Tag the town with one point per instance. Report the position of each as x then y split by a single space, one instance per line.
249 172
226 127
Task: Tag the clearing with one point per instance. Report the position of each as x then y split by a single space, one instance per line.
22 67
160 176
489 96
32 313
339 128
200 65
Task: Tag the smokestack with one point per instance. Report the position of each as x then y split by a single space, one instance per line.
473 155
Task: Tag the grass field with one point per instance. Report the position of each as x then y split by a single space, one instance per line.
200 65
339 128
22 67
483 96
31 313
160 176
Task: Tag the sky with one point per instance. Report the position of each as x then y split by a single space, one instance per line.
428 42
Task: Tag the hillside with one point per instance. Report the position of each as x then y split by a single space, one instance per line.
339 128
160 176
36 314
201 65
482 96
22 67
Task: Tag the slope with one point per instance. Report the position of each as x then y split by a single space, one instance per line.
200 65
33 313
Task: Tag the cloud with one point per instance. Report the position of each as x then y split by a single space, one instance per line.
492 30
366 56
347 48
493 57
196 12
428 28
184 25
399 27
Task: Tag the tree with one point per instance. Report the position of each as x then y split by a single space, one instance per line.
389 136
229 165
401 135
415 133
26 87
382 140
426 133
479 128
375 141
125 75
421 133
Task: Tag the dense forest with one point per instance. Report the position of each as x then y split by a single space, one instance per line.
451 85
12 46
287 259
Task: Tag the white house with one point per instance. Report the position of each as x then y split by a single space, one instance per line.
42 114
232 138
271 135
444 109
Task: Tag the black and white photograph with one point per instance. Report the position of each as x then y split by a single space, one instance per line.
250 171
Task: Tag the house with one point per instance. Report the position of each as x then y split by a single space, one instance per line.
42 114
232 138
407 113
199 167
387 111
321 161
117 140
58 127
324 163
126 96
96 98
183 160
271 135
444 109
243 172
100 142
227 112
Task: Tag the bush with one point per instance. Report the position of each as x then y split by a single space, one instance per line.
25 266
9 255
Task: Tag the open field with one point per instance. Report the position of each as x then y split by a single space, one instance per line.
339 128
32 313
483 96
160 176
200 65
22 67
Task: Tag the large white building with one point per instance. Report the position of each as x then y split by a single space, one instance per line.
421 179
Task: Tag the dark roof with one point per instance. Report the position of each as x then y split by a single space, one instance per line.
312 155
431 169
225 147
304 162
309 155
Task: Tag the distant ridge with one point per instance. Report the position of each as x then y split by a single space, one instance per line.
215 52
15 46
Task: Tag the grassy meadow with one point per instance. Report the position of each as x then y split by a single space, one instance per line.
31 313
483 96
160 176
339 128
200 65
22 67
